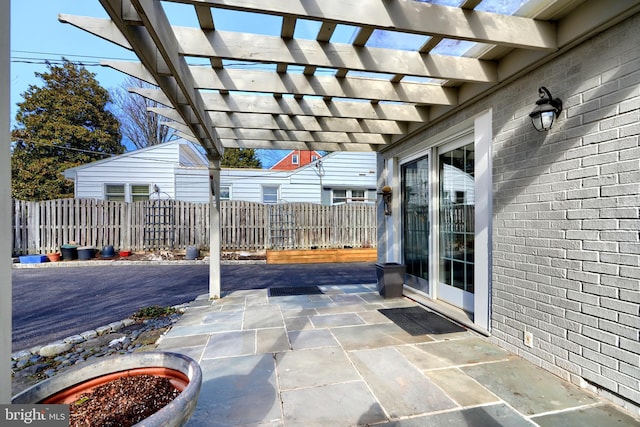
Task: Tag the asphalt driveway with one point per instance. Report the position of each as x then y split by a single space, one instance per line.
54 303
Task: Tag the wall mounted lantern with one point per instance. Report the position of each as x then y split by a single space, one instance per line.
546 111
386 199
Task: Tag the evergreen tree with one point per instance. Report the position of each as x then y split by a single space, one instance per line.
240 158
62 124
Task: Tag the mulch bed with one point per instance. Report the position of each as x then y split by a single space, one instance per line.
122 402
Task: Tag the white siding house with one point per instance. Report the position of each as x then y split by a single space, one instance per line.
178 170
161 169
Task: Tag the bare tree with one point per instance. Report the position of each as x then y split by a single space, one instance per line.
138 125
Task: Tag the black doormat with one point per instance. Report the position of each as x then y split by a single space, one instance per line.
418 321
294 290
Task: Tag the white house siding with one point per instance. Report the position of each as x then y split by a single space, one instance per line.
181 173
192 184
344 170
143 167
341 170
565 228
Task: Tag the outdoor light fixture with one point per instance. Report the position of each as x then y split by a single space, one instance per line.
546 111
386 199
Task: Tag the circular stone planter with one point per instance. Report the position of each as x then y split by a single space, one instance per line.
183 372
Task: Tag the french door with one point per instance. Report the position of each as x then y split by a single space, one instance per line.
415 215
457 226
438 225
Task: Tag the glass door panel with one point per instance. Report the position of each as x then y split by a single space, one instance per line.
415 222
457 229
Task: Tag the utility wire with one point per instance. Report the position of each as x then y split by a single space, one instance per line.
151 159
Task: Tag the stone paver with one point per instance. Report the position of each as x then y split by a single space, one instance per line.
334 360
401 389
314 367
529 389
237 391
345 404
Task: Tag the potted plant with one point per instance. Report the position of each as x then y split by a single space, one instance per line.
73 386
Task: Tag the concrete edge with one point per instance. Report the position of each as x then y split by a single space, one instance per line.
99 263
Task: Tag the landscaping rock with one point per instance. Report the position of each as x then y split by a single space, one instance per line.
55 349
87 335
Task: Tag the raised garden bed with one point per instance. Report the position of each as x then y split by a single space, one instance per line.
309 256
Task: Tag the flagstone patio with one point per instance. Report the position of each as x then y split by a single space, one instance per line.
335 360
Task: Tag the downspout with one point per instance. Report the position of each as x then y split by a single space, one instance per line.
214 229
5 208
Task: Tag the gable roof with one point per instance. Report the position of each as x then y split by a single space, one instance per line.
286 156
182 146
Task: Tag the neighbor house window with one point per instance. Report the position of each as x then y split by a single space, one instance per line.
139 193
270 194
225 192
339 196
357 196
114 192
294 159
349 196
314 158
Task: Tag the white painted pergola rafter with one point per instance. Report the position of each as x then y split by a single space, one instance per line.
407 16
300 84
239 103
293 123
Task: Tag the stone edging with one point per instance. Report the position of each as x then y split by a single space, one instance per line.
62 346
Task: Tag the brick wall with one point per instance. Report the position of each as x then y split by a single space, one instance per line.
566 224
566 227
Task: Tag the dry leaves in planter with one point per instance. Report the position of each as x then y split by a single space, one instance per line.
122 402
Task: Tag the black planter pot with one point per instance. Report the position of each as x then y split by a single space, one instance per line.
69 252
86 252
390 279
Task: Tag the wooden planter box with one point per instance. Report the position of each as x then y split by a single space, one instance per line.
308 256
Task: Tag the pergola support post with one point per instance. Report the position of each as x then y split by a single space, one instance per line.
5 206
214 229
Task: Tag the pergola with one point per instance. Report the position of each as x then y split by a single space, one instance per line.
406 65
367 93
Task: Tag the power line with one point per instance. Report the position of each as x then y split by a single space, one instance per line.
54 145
64 55
151 159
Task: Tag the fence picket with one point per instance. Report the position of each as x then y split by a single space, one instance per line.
40 227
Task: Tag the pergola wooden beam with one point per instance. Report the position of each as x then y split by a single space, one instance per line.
295 123
299 84
269 49
158 51
410 17
237 103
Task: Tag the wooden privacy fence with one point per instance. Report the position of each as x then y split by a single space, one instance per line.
41 227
